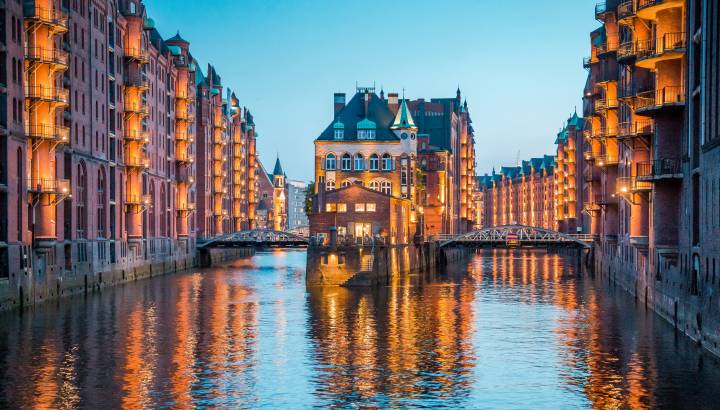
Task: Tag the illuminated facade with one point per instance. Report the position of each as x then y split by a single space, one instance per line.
569 166
420 152
651 112
522 195
98 137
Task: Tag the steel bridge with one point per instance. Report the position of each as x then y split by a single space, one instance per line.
516 236
256 237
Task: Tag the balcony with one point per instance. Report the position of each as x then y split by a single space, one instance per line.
606 160
185 208
661 169
137 136
184 96
625 10
39 93
606 47
136 54
137 81
141 200
184 158
636 129
218 139
601 9
650 102
604 104
590 155
669 46
626 51
137 163
183 116
183 175
57 58
629 185
45 132
648 9
54 19
49 186
182 136
133 108
587 62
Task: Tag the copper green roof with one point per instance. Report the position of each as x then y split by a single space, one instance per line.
403 118
366 124
338 125
278 171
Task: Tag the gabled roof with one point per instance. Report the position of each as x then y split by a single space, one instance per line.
354 113
177 39
357 186
403 118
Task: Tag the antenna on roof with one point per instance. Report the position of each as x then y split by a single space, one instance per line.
517 159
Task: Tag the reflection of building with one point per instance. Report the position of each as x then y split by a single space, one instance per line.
373 142
297 220
519 195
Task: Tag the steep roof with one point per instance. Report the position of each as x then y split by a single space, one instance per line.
278 171
177 39
354 113
403 118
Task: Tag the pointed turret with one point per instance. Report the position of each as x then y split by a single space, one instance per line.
403 118
278 171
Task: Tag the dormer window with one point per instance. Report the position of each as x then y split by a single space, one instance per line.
339 130
366 130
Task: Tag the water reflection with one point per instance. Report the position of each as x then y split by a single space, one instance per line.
507 329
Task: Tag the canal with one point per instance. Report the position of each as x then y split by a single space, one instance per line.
516 329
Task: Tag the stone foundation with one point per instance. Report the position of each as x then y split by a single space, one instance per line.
662 288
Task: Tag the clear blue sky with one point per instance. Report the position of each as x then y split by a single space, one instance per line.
518 63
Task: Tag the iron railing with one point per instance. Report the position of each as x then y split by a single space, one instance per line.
47 55
49 186
134 135
625 9
627 185
639 127
138 199
44 93
655 47
673 95
48 132
55 18
659 167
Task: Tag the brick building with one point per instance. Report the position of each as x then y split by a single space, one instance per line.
569 178
651 110
375 142
522 195
100 149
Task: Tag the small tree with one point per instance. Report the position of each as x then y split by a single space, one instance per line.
309 193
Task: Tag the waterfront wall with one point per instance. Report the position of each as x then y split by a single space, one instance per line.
365 266
27 287
662 287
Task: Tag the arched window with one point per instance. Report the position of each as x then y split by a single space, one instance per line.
374 162
359 162
346 162
151 212
162 211
20 188
81 200
346 183
387 162
386 188
375 185
132 8
330 185
102 198
330 162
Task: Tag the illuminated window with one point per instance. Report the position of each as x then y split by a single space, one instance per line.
345 183
330 185
386 188
359 207
342 207
370 207
359 162
375 186
330 207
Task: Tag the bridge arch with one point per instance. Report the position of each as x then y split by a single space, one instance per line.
523 234
254 237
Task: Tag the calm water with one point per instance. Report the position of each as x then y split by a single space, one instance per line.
510 330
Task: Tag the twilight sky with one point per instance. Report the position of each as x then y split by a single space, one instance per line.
518 63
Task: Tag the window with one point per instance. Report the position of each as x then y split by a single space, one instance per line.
342 207
375 185
370 207
330 185
386 188
359 162
346 162
81 200
101 215
359 207
374 162
330 207
346 183
366 134
330 162
387 163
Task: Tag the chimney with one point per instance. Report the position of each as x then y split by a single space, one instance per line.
393 102
339 102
